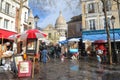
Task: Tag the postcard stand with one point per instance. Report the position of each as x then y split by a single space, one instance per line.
31 49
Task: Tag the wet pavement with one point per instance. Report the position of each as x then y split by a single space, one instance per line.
70 70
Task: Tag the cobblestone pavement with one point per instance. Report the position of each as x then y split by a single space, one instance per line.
70 70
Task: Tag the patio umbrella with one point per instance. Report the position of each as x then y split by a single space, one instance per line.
74 39
99 41
14 36
32 34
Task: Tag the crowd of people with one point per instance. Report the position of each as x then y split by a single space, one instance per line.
60 51
51 51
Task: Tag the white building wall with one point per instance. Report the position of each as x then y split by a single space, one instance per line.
11 17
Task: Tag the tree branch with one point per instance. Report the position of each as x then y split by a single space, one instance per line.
24 1
116 1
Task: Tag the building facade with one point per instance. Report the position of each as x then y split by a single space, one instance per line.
52 34
61 27
9 15
57 33
75 27
93 16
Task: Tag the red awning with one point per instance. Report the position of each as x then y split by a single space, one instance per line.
6 33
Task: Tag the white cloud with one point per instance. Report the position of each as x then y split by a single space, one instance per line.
51 8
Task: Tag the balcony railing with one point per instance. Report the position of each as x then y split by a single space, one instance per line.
91 14
91 11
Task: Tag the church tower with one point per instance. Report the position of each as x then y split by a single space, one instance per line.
31 21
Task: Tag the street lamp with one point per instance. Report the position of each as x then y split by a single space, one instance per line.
36 18
114 43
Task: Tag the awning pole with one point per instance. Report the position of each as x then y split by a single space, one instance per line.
2 40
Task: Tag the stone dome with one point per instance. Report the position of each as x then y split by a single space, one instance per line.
60 20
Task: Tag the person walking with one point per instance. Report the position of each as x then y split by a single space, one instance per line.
45 56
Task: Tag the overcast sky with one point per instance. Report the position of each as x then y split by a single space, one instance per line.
48 10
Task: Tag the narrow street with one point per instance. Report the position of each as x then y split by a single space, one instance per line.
70 70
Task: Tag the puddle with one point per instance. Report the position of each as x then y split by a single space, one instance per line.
74 68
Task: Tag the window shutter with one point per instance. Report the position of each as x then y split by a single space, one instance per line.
96 7
96 24
100 7
86 8
100 23
87 25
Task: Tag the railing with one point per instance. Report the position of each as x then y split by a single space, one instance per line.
91 14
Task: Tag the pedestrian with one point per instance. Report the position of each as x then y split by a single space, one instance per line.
52 51
55 51
58 51
45 56
104 57
99 54
62 57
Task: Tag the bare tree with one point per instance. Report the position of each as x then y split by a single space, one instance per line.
20 2
51 5
107 30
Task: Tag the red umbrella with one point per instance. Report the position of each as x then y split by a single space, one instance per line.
102 47
99 41
32 34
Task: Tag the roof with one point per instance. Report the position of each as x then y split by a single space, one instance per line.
75 18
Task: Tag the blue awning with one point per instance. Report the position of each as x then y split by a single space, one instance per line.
100 35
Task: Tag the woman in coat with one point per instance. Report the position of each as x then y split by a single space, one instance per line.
45 56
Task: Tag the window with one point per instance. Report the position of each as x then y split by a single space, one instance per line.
29 23
6 23
91 8
49 35
25 17
108 5
0 21
7 8
108 23
92 24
